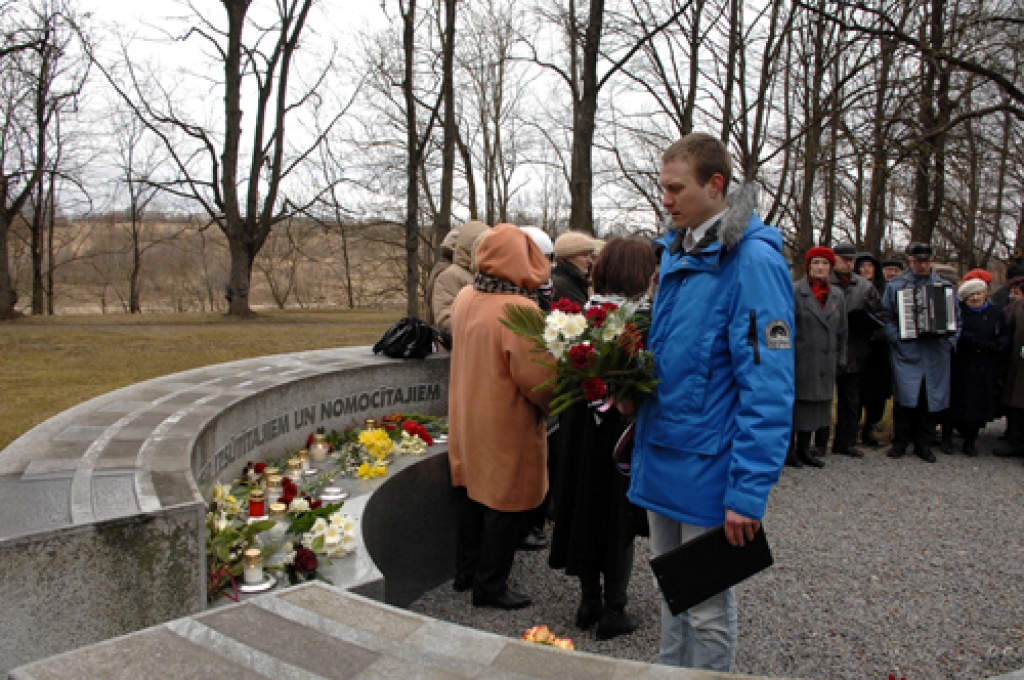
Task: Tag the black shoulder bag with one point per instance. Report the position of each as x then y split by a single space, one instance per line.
411 338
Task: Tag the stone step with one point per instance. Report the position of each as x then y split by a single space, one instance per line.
317 631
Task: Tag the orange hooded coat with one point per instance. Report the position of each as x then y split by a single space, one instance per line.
497 445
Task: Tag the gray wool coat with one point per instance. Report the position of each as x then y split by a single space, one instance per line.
926 358
820 341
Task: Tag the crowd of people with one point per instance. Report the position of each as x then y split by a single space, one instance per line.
752 367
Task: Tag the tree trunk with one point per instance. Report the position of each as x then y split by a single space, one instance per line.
581 173
8 296
240 277
443 217
37 226
412 236
730 71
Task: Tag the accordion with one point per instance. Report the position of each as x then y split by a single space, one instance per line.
926 310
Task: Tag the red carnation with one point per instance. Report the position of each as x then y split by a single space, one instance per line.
286 498
305 561
597 315
309 440
631 340
313 505
594 389
565 305
258 468
417 430
580 354
609 306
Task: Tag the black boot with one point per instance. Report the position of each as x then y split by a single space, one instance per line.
791 458
803 450
946 446
970 448
867 436
615 622
591 607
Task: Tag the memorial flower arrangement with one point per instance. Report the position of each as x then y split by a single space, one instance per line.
599 355
333 535
366 450
543 636
227 538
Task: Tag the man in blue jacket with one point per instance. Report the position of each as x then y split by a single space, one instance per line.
711 442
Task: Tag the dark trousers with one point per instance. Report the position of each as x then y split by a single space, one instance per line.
616 581
847 410
486 546
912 425
874 409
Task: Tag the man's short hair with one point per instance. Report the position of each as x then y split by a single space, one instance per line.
706 155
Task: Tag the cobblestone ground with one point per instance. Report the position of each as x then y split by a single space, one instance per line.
882 566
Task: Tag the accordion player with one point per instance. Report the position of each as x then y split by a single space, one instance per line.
926 310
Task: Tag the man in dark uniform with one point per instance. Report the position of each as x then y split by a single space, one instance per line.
921 366
859 294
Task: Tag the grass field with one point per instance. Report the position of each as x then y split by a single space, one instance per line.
53 363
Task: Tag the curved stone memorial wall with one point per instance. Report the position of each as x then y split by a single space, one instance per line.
102 520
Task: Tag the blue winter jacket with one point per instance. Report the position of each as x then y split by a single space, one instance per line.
715 434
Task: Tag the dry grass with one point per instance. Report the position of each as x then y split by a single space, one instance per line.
53 363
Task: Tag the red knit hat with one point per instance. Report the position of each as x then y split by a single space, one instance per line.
820 251
979 274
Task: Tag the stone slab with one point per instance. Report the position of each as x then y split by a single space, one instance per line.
80 433
155 655
294 644
355 613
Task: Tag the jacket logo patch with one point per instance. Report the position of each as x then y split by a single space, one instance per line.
777 335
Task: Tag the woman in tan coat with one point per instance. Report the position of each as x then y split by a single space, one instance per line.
497 438
456 277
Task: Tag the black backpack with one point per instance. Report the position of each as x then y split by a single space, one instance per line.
411 338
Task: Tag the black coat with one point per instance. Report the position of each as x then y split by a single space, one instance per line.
858 294
594 521
570 283
978 364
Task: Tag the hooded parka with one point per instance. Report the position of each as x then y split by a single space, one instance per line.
926 358
497 445
715 433
456 277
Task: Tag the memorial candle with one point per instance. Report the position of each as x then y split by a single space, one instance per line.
320 448
257 505
274 486
252 571
303 456
295 469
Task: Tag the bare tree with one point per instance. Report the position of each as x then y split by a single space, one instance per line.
241 189
40 75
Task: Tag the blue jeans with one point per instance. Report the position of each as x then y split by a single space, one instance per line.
704 636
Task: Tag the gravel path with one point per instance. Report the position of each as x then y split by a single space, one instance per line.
881 566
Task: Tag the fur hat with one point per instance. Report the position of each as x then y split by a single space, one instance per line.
451 238
979 274
893 262
847 250
969 287
819 251
573 243
542 240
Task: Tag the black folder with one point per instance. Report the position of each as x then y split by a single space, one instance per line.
707 565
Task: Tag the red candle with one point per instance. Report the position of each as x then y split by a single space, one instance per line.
257 506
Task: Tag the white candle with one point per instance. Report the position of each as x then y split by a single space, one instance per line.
252 571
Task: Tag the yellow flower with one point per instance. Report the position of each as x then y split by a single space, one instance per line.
367 471
377 442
